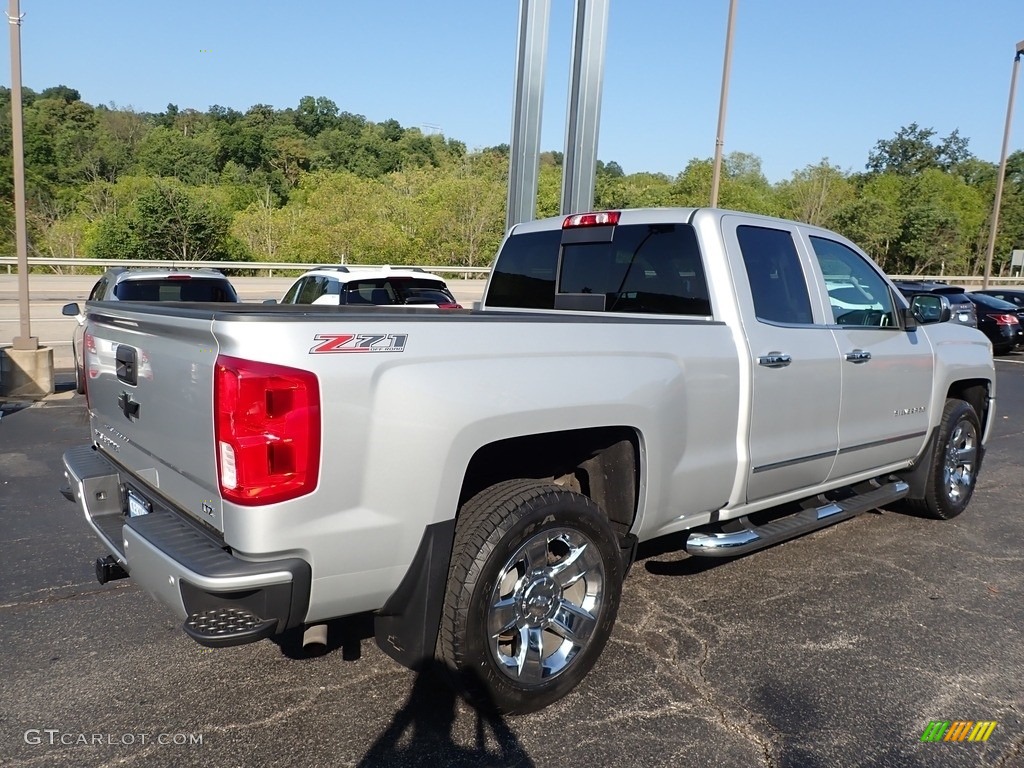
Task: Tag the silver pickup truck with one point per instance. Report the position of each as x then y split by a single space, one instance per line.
480 479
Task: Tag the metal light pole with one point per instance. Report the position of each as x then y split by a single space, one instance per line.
524 149
25 340
716 174
583 112
1002 168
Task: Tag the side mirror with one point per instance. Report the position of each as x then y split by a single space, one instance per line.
931 308
71 310
909 319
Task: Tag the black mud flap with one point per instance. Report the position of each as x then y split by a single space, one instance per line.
406 627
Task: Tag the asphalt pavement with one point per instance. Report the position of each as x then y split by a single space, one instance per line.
835 649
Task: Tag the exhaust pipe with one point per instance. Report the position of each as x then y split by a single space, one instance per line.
108 569
316 635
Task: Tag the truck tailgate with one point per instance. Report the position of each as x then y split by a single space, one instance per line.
150 385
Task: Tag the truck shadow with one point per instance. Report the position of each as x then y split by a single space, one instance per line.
423 731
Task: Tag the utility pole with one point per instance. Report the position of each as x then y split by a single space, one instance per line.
716 173
25 340
1002 169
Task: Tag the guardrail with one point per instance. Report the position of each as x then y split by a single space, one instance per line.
466 272
257 266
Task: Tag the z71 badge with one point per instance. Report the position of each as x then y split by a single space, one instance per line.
336 343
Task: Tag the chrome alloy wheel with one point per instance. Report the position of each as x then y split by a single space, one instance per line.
545 605
961 454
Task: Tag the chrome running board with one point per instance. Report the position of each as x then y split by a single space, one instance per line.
752 537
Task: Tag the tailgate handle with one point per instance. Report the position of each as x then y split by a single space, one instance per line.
127 370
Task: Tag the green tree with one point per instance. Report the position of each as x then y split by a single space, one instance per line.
166 220
816 194
873 217
638 190
912 151
314 116
171 152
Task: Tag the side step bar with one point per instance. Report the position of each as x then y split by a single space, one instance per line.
752 537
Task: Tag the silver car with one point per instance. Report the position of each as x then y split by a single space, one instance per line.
146 284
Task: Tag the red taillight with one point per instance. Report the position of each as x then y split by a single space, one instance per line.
267 420
595 219
1005 319
449 306
90 342
179 277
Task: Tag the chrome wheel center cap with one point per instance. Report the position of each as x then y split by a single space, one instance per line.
540 599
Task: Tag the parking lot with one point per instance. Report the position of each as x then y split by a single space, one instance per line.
836 649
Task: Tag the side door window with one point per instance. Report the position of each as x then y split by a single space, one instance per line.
328 291
379 292
777 281
292 296
857 294
311 290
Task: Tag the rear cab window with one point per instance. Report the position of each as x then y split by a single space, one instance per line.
627 268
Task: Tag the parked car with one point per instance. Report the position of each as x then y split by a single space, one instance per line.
1013 295
963 308
147 284
373 286
1001 321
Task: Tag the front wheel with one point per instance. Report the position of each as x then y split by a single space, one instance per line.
954 470
533 591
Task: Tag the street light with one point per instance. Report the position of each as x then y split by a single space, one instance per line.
24 340
1002 168
716 173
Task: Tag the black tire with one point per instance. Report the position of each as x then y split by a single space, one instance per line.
79 379
954 470
541 563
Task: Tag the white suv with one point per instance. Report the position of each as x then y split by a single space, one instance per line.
369 286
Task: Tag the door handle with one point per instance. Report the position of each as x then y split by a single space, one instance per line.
774 360
858 356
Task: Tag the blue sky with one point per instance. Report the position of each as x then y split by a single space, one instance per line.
811 79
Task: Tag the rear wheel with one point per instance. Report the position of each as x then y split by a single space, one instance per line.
79 377
533 590
955 465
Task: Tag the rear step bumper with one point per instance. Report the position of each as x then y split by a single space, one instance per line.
752 537
223 599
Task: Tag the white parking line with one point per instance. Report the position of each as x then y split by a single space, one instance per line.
1014 362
